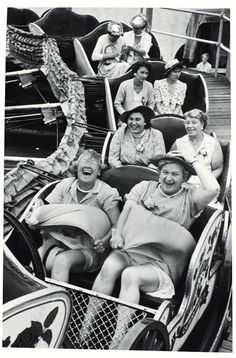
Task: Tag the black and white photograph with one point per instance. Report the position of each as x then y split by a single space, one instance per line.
117 218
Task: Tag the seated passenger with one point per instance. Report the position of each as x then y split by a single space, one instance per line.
136 91
200 145
204 66
152 244
169 93
136 142
137 41
69 249
108 51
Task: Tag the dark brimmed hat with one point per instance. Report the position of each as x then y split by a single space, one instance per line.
172 156
169 66
147 113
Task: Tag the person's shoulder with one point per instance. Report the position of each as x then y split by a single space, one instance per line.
148 84
69 180
182 84
160 82
147 35
126 82
184 138
209 138
155 132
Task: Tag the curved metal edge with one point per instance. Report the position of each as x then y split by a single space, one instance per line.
110 110
217 215
135 332
84 66
206 91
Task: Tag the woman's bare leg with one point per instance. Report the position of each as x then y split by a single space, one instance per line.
132 280
64 262
104 283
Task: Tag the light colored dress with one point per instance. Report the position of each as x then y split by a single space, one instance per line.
111 67
123 149
204 153
160 236
167 100
145 44
127 99
204 67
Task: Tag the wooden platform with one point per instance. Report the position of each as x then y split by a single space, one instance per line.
219 105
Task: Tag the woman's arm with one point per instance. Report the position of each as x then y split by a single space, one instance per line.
150 97
158 108
113 214
159 144
217 160
120 98
114 151
117 241
174 146
209 186
157 98
177 109
97 54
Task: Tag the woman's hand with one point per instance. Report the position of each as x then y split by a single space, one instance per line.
116 241
99 246
187 156
32 219
149 203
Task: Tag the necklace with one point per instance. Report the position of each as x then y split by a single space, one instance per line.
84 191
138 135
139 147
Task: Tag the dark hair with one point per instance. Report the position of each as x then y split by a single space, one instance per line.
141 63
147 113
206 54
197 113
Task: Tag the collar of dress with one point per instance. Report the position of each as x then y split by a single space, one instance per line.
169 196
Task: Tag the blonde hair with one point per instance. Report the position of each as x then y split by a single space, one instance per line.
197 113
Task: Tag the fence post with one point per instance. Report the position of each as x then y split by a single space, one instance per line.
219 42
149 14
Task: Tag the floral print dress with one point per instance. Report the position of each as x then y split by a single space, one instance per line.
167 100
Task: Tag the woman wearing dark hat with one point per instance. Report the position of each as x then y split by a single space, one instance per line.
135 91
152 243
169 93
137 142
137 41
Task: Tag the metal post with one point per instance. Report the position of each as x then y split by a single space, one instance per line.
219 42
149 14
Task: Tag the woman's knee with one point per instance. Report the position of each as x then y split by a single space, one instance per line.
129 277
112 267
62 261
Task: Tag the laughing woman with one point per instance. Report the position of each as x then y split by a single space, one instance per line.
152 243
137 142
66 221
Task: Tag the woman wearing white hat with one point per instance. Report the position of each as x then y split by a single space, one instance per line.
169 93
138 41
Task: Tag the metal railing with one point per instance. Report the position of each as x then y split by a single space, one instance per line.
220 46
